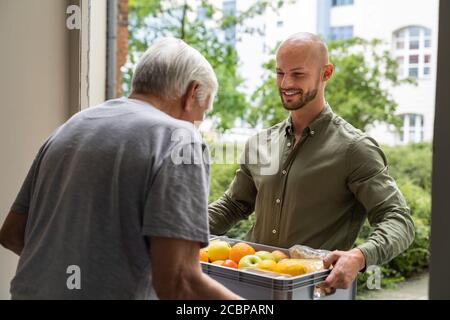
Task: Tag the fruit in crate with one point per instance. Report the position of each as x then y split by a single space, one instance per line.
265 255
268 265
312 265
249 261
240 250
218 250
218 262
279 255
230 264
292 267
203 255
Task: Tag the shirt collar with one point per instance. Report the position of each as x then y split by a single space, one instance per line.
314 126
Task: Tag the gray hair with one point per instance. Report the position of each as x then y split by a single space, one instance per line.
169 66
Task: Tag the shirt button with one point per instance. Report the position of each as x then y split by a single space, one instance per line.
289 144
278 201
274 231
312 132
284 172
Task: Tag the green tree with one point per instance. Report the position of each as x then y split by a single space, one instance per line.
357 91
203 27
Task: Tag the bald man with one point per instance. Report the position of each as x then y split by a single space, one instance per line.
323 177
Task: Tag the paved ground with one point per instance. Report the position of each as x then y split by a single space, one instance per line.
415 288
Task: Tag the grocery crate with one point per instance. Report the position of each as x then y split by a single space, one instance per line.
256 285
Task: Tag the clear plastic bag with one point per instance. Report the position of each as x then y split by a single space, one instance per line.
304 252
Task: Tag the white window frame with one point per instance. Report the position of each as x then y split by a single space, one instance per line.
404 52
412 134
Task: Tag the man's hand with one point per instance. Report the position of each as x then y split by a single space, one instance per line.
346 265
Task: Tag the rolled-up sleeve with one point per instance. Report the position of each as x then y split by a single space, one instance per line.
386 208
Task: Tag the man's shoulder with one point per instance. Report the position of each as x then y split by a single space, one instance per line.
354 140
345 131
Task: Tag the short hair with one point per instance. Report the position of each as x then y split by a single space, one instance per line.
169 66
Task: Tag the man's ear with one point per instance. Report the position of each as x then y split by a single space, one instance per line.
190 97
328 72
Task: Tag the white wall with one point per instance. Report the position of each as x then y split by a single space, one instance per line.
379 19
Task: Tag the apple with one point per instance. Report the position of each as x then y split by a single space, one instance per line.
265 255
218 250
229 264
249 261
279 255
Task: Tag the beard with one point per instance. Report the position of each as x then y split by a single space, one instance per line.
305 98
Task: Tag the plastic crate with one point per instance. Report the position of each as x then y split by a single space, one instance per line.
254 285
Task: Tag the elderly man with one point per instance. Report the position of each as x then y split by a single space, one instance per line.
330 176
108 210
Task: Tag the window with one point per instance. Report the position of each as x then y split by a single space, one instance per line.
413 128
341 33
338 3
412 46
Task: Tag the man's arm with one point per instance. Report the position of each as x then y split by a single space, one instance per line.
236 204
387 213
13 232
177 274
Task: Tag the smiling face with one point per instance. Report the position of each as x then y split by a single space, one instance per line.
299 74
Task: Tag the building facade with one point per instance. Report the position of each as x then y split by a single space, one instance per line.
407 28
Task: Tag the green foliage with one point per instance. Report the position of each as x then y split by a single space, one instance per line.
411 166
221 177
149 20
416 166
356 90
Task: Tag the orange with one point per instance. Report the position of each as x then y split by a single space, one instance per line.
240 250
203 255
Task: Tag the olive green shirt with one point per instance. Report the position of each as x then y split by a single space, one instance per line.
317 193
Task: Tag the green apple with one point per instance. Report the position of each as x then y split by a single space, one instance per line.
265 255
249 261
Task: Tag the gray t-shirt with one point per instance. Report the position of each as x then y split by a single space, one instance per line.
105 181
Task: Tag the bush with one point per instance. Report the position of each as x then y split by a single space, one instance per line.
411 167
221 177
411 161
